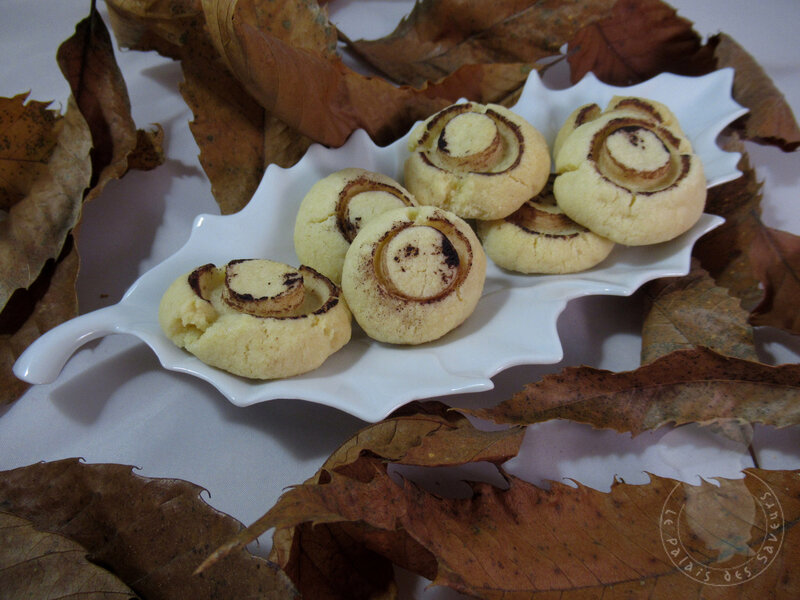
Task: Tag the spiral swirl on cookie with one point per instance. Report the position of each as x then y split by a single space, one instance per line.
256 318
629 173
334 210
477 161
539 238
413 274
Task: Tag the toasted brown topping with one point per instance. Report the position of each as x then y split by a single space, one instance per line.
201 280
635 154
463 137
361 199
263 288
422 262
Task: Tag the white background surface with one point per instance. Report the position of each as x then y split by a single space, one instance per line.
113 403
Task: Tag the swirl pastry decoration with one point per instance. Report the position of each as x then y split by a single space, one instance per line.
628 173
477 161
539 238
334 210
413 274
256 318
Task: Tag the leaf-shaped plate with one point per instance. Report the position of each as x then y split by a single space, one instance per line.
514 323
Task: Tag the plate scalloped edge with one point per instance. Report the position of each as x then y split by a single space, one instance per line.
368 379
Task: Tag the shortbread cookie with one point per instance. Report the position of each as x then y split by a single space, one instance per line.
539 238
256 318
629 173
477 161
333 211
413 274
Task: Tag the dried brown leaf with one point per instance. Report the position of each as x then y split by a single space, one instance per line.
334 561
236 136
440 36
151 533
641 39
323 99
686 386
47 302
775 257
36 225
35 564
88 63
521 541
684 312
770 120
757 264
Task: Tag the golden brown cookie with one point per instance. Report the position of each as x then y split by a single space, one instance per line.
413 274
477 161
629 173
333 211
256 318
539 238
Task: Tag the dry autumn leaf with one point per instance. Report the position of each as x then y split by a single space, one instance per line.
758 264
151 533
50 169
47 302
335 561
88 64
521 541
35 564
684 312
440 36
685 386
319 96
640 39
770 119
266 90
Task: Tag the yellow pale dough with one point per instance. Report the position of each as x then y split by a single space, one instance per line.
195 314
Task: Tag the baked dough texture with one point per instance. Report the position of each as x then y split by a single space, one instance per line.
477 161
333 211
256 318
628 173
413 274
539 238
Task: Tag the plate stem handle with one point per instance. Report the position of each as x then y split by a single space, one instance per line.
44 359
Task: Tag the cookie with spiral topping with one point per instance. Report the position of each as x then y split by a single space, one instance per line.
256 318
477 161
539 238
629 173
413 274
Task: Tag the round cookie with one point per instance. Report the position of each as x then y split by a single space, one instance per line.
256 318
539 238
477 161
630 176
333 211
413 274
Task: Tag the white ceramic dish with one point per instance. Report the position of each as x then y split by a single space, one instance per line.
515 322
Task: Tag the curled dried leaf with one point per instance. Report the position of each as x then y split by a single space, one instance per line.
440 36
640 39
684 312
770 119
52 183
685 386
151 533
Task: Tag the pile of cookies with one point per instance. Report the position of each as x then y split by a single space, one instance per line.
408 261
